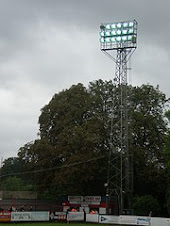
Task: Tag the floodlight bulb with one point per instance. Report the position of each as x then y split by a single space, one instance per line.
131 24
129 37
130 31
124 38
125 24
113 39
102 34
113 26
118 39
113 32
107 33
108 26
102 40
107 39
119 32
119 25
124 32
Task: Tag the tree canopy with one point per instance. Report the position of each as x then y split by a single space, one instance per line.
71 155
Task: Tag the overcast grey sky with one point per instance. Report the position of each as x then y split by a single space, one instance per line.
48 45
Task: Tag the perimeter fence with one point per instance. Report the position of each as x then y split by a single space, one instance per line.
45 216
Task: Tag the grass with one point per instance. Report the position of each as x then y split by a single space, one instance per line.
48 224
41 224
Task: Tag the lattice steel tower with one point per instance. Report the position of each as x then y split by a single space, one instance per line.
120 37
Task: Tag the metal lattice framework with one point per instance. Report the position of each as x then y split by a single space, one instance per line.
122 37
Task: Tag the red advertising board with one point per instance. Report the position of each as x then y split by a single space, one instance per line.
5 216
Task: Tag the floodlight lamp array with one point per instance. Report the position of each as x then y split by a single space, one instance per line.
118 35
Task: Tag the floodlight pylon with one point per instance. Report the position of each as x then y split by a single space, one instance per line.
120 158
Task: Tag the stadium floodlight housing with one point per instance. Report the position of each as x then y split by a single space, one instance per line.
118 35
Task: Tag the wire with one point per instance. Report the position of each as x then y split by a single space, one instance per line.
52 168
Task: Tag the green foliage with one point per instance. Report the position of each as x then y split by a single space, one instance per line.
148 130
10 182
75 128
10 166
71 132
148 125
143 205
167 114
71 124
14 184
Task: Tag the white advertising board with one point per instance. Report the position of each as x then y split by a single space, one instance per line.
108 219
75 199
92 218
21 216
102 210
124 219
93 199
143 220
75 216
30 216
60 216
158 221
167 222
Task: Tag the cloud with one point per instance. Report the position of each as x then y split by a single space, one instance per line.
47 46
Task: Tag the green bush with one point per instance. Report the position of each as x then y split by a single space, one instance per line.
144 204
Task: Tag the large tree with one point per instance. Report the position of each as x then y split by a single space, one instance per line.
148 130
74 140
76 134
